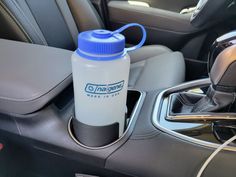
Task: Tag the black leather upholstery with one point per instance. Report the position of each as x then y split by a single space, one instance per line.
41 22
47 22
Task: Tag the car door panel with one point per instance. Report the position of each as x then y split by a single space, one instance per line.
163 27
171 5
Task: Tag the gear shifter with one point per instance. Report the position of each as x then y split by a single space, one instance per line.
223 71
219 45
221 93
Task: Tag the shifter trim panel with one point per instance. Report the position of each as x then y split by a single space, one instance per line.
197 117
158 107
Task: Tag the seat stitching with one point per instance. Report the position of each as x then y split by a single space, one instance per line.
28 21
15 20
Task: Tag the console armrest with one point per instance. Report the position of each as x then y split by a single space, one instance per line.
31 75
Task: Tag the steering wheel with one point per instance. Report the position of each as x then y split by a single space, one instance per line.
210 11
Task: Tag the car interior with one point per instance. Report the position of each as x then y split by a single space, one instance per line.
181 89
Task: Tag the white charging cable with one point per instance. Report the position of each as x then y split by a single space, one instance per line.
221 147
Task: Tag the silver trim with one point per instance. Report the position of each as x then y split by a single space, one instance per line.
141 98
198 118
157 107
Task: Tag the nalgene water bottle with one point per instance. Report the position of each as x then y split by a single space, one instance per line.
100 68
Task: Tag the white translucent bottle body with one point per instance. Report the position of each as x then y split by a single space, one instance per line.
100 90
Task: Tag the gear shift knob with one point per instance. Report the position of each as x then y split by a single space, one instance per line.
223 71
221 92
219 45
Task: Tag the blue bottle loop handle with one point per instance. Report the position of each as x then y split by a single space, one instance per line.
131 25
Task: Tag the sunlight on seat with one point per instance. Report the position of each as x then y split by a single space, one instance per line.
138 3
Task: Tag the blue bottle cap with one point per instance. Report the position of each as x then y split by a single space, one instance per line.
104 44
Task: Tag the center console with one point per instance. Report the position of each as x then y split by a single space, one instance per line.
163 136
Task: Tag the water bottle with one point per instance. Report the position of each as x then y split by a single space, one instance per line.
100 68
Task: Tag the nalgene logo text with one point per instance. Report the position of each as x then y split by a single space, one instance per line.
103 88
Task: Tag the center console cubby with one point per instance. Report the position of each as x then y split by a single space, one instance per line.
134 99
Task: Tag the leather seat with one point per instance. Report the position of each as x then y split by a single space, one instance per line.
57 23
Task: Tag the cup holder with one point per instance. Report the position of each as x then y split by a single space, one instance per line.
101 137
